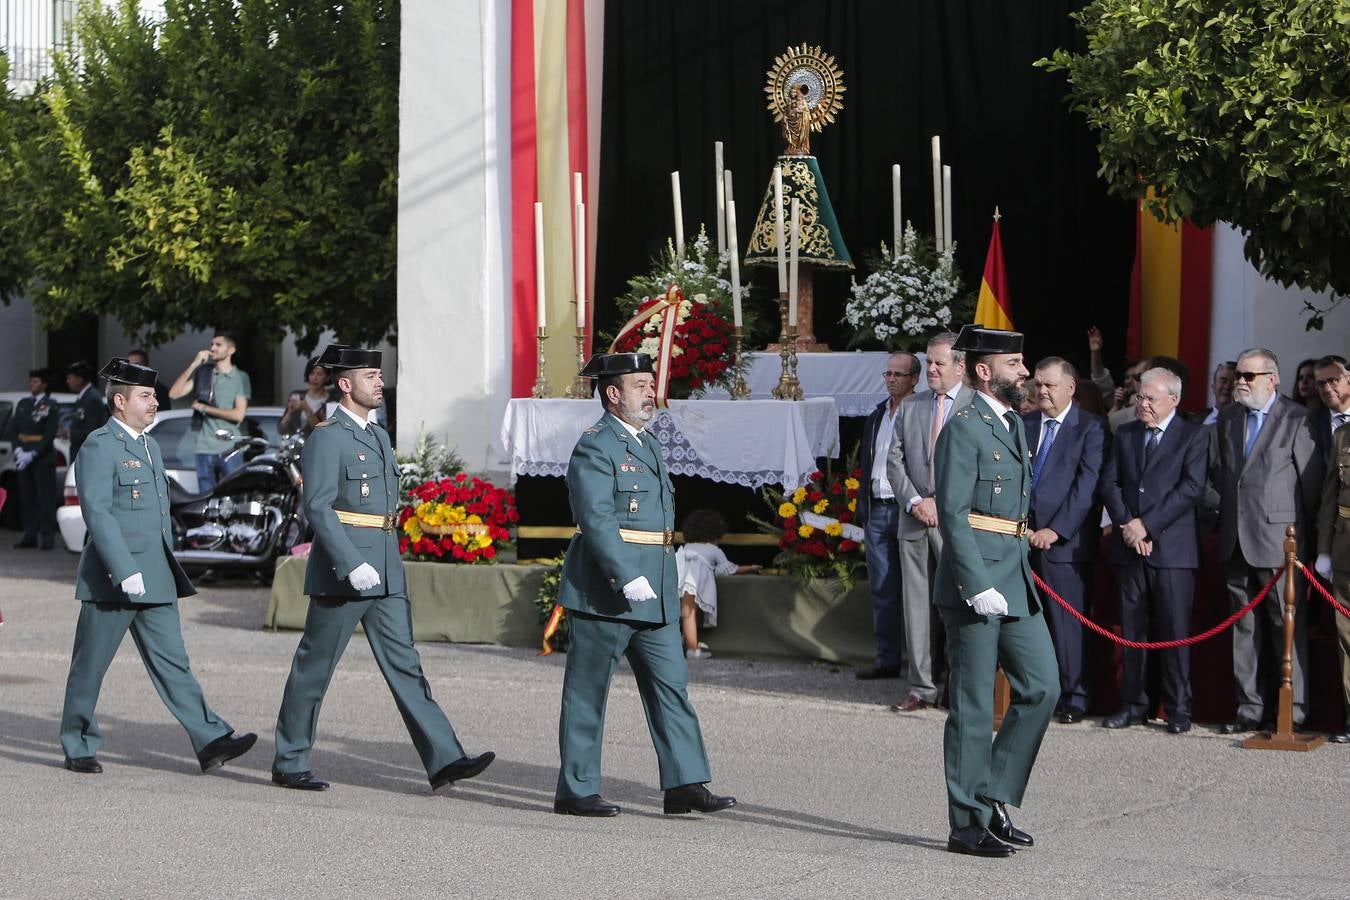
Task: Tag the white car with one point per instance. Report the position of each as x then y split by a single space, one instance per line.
177 441
9 475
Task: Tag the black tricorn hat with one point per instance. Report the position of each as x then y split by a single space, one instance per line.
602 365
119 371
340 356
81 369
978 339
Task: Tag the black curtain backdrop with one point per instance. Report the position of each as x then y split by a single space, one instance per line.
679 76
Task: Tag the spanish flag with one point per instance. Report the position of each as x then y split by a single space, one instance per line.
994 309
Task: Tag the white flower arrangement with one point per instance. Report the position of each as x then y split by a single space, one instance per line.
908 298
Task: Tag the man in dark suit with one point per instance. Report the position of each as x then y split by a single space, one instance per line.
1266 468
91 410
1222 389
1067 446
1153 481
879 512
1333 385
33 428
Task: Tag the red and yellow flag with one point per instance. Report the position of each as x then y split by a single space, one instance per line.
994 309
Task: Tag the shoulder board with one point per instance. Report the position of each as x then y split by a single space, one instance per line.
594 429
323 423
963 413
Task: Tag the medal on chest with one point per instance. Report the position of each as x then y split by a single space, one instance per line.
632 504
365 489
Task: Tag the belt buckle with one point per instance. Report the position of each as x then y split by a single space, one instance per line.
667 538
1021 529
388 524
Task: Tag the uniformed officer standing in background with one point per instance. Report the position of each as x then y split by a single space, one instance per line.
355 575
620 589
91 410
128 579
988 602
32 429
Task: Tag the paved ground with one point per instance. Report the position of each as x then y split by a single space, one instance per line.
839 797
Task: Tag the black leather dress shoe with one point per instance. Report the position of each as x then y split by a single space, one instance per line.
1342 738
1069 716
1238 726
593 806
85 765
1001 826
461 769
877 672
976 841
1122 720
223 749
695 798
299 781
1178 726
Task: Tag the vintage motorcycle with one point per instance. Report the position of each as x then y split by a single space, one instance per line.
252 517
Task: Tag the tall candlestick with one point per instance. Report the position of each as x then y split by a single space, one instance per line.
946 207
780 229
679 213
897 222
733 248
576 189
721 197
579 229
937 191
540 306
792 273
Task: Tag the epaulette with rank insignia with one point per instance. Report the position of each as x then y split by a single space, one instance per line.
323 423
594 429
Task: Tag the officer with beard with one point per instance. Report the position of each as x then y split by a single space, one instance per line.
989 606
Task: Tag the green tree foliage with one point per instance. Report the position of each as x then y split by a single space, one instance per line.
15 271
234 165
1233 110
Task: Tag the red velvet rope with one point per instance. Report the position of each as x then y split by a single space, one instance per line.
1163 645
1321 589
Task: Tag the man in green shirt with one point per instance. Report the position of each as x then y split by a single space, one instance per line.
220 395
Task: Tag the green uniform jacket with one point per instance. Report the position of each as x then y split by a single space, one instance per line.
616 482
124 498
1333 531
36 416
352 468
91 412
982 467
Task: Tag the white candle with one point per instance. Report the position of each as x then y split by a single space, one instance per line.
779 229
796 247
726 177
540 307
576 189
679 213
937 191
897 222
579 229
946 207
721 197
733 251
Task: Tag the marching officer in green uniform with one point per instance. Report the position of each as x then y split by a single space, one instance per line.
355 575
33 428
129 580
619 587
988 602
91 410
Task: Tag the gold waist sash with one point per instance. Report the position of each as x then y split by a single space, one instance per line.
367 520
1015 527
655 538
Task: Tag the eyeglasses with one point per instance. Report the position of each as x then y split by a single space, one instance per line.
1249 377
898 374
1334 379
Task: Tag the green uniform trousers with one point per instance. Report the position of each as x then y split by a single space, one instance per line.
159 638
656 654
976 768
329 625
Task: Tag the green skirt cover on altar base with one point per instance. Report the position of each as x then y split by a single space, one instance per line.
821 243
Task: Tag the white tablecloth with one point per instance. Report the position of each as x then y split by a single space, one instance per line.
747 442
852 378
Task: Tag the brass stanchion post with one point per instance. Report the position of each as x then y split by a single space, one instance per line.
1284 737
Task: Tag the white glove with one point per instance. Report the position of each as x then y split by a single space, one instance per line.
134 585
1323 566
364 577
989 603
639 590
22 458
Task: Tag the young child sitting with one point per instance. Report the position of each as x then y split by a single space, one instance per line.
698 563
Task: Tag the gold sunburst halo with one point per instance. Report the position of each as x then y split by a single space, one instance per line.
816 69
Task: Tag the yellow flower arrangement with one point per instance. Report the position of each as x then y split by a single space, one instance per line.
851 484
787 510
821 506
799 495
805 531
834 529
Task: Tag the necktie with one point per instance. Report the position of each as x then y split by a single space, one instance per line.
1151 444
1043 451
1338 420
1253 429
939 414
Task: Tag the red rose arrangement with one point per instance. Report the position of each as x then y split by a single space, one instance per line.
703 349
456 520
817 534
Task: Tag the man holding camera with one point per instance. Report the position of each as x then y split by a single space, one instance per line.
220 394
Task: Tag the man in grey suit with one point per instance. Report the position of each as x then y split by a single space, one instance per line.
910 472
1265 466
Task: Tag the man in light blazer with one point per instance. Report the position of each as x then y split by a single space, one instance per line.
910 472
1068 445
1265 465
1152 485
